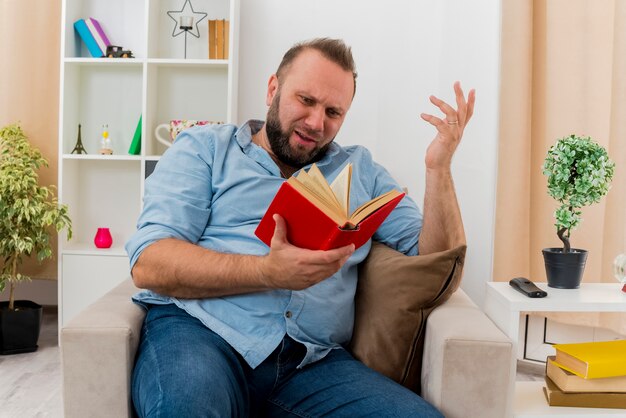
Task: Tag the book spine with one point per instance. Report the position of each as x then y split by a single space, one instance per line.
568 382
100 31
226 38
81 27
96 36
334 240
212 43
598 368
219 36
556 397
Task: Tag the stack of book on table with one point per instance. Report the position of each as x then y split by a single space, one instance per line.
589 375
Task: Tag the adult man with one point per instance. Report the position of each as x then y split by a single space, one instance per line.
237 329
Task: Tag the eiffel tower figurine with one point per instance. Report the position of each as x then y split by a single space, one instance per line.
78 148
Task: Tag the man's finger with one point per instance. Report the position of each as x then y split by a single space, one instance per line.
444 107
471 98
461 104
345 252
280 229
331 256
440 124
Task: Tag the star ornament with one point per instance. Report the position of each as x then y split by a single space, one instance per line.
187 10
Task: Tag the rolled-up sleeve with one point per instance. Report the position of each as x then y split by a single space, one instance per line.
177 197
401 229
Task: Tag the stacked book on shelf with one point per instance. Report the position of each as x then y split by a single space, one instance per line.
218 39
591 374
92 34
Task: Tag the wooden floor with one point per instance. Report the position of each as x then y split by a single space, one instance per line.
30 383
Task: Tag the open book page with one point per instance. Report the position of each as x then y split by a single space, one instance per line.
315 188
341 188
372 206
315 181
333 211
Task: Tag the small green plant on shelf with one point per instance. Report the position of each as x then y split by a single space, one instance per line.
29 212
579 173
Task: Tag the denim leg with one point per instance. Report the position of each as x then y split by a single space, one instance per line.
341 386
279 366
183 369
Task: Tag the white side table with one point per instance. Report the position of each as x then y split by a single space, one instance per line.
503 305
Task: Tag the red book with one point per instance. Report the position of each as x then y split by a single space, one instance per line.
314 223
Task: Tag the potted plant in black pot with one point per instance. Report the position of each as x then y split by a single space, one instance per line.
29 213
579 173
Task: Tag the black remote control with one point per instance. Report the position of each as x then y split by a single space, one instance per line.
527 287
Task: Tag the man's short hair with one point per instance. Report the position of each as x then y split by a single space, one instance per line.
334 50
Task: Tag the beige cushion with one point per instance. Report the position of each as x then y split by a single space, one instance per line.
395 295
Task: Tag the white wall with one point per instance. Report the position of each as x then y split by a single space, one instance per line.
405 50
43 292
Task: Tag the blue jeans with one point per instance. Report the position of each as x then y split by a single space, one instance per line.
183 369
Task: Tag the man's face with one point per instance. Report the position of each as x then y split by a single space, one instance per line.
307 108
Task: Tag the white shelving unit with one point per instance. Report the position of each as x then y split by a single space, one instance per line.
157 84
504 305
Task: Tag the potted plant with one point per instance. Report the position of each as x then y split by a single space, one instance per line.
579 173
29 213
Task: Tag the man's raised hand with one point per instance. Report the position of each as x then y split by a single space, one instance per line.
450 127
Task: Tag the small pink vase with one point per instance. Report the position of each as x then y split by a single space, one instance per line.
103 238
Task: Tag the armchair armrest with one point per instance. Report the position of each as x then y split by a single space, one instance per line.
98 349
466 368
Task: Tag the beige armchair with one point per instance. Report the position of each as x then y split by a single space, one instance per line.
466 360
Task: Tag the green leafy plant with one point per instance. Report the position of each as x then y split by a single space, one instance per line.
579 173
29 213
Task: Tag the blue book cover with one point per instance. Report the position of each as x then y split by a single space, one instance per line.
85 35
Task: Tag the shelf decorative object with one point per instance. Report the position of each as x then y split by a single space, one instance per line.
105 141
115 51
135 145
186 21
79 148
103 238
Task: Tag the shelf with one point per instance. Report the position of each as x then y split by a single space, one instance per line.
84 248
590 297
171 62
98 157
166 62
95 95
195 92
102 194
161 44
123 21
103 61
504 305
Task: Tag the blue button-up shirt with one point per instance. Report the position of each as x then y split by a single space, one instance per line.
212 188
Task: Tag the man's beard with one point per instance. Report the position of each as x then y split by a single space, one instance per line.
279 141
